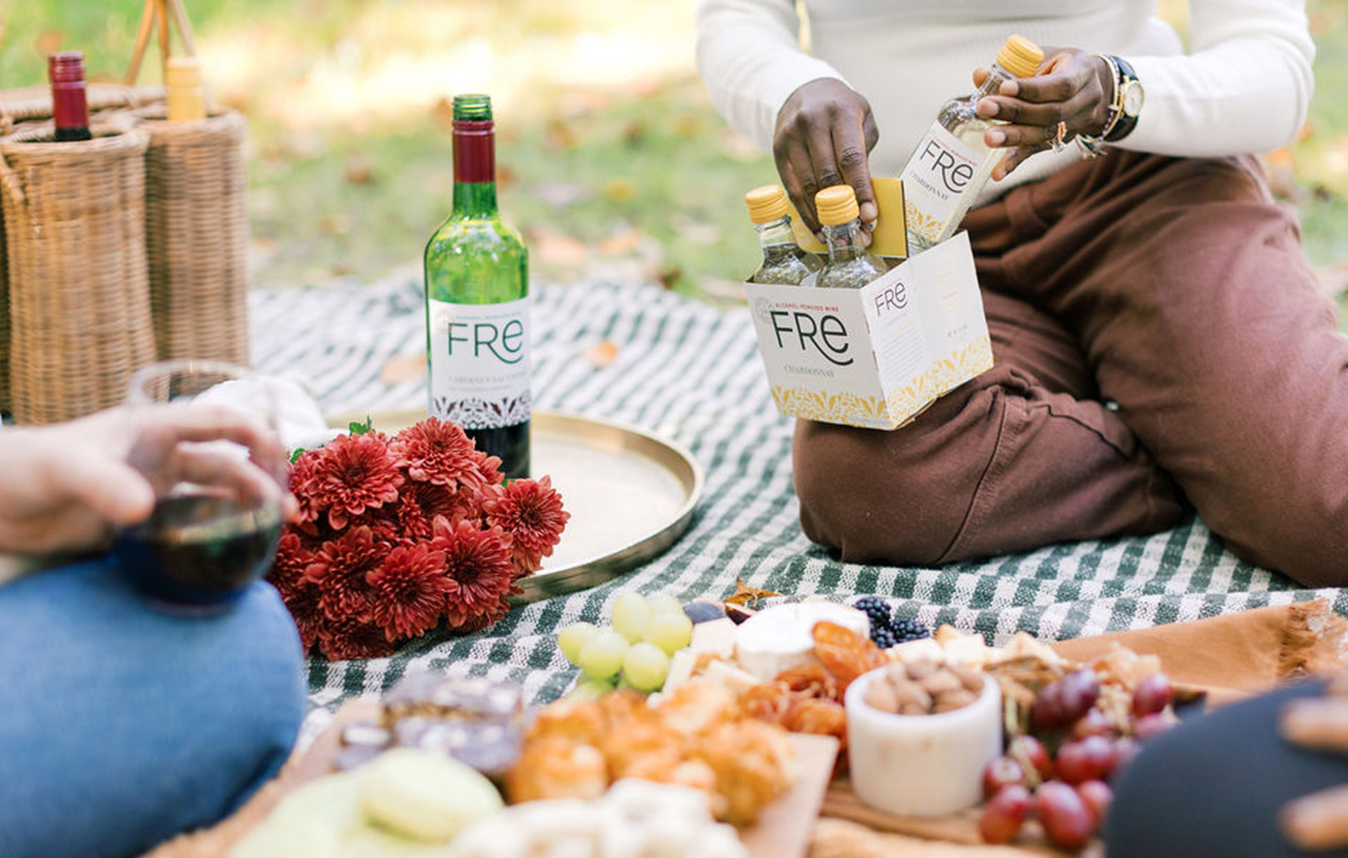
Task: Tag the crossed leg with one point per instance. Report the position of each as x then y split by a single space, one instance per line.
1194 310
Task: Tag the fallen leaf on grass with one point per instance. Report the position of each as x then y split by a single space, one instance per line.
337 224
695 231
358 170
560 194
49 41
620 190
558 136
400 368
444 114
602 354
688 125
623 241
554 248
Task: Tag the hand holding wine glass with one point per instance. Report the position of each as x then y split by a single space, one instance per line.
218 507
66 484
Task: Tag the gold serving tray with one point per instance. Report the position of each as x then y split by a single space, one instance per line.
631 494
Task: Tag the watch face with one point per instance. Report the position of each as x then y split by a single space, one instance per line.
1132 98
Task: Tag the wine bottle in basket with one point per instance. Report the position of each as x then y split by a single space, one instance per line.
477 303
70 107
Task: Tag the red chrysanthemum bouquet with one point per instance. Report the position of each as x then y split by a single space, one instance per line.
397 534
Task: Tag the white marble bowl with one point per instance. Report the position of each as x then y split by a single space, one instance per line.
921 765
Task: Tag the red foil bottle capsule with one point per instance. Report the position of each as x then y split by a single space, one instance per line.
70 108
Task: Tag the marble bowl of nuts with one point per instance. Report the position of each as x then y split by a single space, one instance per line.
919 735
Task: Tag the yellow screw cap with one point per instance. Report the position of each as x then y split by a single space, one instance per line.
766 204
836 205
1020 56
183 72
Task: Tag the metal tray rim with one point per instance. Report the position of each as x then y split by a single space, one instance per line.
594 571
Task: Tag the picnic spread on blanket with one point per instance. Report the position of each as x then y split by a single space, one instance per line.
546 561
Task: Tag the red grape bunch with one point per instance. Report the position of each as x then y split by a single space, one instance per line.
1068 790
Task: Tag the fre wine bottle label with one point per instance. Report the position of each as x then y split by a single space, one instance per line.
940 182
479 363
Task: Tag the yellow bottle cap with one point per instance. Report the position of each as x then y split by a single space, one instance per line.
766 204
1020 56
836 205
183 72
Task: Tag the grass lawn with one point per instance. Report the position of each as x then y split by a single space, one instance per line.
639 179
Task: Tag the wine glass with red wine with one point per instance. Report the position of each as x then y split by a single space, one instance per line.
206 540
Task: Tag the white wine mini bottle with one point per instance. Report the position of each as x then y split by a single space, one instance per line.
952 163
783 260
849 266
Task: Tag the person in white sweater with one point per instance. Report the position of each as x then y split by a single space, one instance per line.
1159 340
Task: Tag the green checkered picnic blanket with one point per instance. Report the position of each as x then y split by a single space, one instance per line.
692 373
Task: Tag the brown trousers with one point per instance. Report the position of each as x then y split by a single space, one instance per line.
1159 343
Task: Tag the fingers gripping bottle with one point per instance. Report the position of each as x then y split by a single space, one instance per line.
849 264
951 164
783 260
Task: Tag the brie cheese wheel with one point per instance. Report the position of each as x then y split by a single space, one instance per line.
779 638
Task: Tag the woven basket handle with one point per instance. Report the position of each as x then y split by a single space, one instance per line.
161 12
11 183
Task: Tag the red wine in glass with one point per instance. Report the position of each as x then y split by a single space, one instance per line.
197 553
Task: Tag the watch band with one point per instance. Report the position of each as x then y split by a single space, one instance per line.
1123 80
1118 123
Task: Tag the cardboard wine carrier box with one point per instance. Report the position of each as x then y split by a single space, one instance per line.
874 357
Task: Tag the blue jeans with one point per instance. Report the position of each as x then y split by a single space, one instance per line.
121 726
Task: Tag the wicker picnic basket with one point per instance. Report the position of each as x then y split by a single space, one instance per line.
79 302
22 108
197 236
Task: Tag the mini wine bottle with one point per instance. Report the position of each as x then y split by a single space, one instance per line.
951 164
850 265
477 303
70 106
783 260
186 95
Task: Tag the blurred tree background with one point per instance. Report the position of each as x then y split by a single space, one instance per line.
612 161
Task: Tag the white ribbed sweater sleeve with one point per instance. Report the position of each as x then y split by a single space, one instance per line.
1245 86
749 54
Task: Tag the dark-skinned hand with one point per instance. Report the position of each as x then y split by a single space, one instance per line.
825 132
1071 86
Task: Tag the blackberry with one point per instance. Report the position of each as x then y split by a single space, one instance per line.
877 610
883 637
905 630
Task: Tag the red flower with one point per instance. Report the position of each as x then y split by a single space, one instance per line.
353 638
341 569
301 472
352 474
302 602
410 590
531 512
479 560
438 451
420 504
287 570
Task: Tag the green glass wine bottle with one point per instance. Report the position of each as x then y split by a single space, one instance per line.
477 303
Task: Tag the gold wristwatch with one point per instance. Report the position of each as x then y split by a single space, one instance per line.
1124 107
